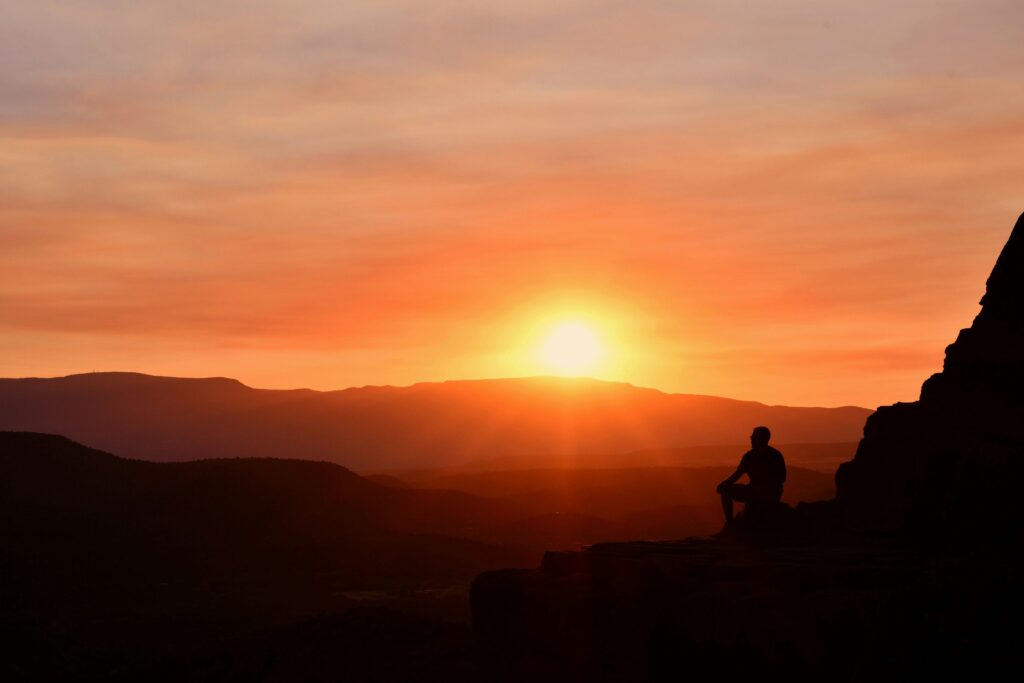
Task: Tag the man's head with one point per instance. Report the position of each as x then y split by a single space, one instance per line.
760 437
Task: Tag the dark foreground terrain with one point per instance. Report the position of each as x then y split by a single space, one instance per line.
705 610
112 567
243 569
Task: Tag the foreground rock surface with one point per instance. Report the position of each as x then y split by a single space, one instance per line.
704 610
911 573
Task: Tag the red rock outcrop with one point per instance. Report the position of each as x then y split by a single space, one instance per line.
952 461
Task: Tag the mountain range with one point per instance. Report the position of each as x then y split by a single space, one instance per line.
530 422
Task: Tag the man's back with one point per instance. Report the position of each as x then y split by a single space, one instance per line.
765 466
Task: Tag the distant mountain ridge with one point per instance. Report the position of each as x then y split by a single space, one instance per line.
376 428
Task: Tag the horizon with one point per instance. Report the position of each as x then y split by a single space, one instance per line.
560 378
794 203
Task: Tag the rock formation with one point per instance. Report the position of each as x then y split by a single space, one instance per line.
952 460
894 583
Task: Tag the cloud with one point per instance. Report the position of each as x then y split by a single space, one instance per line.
380 185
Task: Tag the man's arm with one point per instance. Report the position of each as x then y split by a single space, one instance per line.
732 478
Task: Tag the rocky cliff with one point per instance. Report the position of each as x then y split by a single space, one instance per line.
952 461
894 580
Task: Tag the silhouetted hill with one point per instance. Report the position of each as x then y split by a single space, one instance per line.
912 572
263 496
109 553
381 428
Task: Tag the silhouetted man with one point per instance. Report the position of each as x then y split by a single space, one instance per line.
766 469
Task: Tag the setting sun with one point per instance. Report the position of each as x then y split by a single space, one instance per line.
572 348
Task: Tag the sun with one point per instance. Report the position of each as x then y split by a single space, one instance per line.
572 348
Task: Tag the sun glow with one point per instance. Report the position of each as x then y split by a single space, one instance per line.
572 348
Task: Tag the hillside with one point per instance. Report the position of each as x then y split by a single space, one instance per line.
261 531
108 560
382 428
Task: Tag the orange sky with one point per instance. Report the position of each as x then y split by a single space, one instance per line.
794 202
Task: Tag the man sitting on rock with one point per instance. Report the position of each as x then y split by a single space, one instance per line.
766 469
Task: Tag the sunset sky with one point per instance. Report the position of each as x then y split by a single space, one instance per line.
793 201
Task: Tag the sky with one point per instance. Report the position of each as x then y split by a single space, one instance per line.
794 202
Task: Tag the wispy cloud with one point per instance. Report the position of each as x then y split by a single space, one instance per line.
376 191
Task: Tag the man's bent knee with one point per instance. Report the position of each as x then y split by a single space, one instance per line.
737 492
